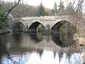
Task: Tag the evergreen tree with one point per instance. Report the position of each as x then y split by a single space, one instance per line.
1 10
61 5
70 9
60 55
41 11
55 9
61 8
2 24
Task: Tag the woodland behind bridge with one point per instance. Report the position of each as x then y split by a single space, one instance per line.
23 10
27 10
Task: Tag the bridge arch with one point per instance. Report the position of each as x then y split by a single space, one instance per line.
33 29
62 33
34 24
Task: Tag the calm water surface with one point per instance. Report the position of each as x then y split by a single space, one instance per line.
24 50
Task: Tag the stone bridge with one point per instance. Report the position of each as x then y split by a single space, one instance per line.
54 23
45 20
51 21
48 20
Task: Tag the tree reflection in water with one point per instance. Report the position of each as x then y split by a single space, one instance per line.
3 46
46 58
17 36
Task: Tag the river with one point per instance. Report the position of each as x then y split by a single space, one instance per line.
24 49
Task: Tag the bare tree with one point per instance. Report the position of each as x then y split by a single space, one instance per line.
3 46
10 10
79 6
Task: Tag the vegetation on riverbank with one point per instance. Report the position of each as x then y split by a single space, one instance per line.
40 32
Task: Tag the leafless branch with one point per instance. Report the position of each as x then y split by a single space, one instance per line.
11 10
79 6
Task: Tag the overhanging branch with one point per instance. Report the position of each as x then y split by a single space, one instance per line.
11 10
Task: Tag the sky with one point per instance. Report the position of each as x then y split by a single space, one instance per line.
46 58
46 3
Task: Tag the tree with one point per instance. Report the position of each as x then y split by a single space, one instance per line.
3 18
2 24
55 9
4 15
40 53
61 8
77 10
79 6
70 9
54 53
41 10
60 55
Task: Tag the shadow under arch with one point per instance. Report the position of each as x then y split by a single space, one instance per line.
17 27
61 30
33 30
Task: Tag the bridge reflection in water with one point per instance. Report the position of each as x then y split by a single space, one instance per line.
63 33
24 50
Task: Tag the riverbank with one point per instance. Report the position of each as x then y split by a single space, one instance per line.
4 31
